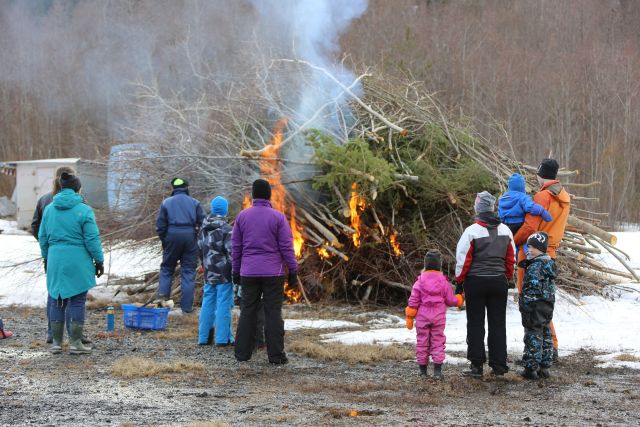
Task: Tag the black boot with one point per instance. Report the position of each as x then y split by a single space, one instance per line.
543 373
529 374
423 370
437 371
474 371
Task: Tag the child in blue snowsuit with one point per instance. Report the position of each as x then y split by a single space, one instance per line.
515 203
214 242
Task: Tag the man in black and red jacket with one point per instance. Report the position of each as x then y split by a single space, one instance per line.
485 258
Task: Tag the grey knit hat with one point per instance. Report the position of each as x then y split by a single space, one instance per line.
485 202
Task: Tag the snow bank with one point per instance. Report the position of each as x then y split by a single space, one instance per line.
294 324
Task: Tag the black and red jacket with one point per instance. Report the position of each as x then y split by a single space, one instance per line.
486 248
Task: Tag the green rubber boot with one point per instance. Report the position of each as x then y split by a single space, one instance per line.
57 331
75 342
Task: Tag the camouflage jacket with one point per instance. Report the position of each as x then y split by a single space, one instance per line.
214 241
539 280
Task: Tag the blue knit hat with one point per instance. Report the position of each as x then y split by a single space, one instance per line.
219 206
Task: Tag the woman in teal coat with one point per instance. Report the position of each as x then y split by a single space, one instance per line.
72 252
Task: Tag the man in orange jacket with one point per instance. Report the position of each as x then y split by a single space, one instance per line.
555 199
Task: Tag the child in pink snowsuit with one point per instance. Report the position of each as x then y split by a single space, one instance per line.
430 296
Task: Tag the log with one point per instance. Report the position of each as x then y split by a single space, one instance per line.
331 238
592 229
580 248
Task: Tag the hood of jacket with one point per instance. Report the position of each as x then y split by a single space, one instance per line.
488 219
558 192
66 199
516 183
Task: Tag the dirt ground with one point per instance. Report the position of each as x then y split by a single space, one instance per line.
164 378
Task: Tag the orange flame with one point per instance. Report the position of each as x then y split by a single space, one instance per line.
246 202
298 240
356 203
271 170
353 413
323 253
394 243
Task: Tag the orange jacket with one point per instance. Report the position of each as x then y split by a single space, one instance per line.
555 199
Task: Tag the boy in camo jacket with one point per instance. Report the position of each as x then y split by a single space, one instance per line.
536 307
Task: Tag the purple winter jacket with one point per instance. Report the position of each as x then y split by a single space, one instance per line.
262 242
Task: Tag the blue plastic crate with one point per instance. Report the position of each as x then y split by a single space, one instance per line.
144 317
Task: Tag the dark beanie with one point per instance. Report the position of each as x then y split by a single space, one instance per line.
261 189
433 260
179 183
539 240
548 169
71 181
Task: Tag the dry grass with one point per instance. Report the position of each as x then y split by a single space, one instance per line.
177 334
137 367
215 423
101 304
359 353
626 357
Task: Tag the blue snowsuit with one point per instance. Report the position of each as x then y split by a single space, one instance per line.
214 242
177 223
515 203
536 307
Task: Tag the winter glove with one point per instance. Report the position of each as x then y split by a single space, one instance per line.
99 269
538 210
293 278
45 265
511 284
410 313
235 278
460 288
460 298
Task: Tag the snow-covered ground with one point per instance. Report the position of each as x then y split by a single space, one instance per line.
610 325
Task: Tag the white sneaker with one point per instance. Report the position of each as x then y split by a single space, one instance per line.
176 312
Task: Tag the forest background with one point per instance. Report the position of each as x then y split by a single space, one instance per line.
556 77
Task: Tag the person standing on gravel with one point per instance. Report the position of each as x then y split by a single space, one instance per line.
177 225
555 199
72 252
262 251
485 258
43 202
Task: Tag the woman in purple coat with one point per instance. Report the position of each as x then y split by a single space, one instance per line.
262 254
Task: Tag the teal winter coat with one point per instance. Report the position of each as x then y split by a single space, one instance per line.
70 243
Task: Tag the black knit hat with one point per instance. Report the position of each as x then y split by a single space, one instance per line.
261 189
71 181
539 240
433 260
548 169
179 183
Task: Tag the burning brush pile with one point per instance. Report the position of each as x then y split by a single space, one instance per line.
403 181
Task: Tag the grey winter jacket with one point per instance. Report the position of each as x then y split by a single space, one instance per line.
214 241
43 202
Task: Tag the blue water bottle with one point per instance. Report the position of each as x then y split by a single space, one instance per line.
111 319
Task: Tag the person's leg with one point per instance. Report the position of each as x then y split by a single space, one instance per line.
56 317
520 271
246 331
422 345
260 339
438 340
474 290
546 357
170 256
496 319
188 264
224 306
207 314
76 308
50 303
273 291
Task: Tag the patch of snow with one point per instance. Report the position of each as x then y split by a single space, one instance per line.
17 354
10 227
613 360
294 324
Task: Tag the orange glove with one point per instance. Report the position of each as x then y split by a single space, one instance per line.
410 313
460 298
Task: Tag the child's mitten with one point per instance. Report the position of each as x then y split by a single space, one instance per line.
546 216
460 298
410 313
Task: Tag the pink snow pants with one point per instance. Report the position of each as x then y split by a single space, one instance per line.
430 342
